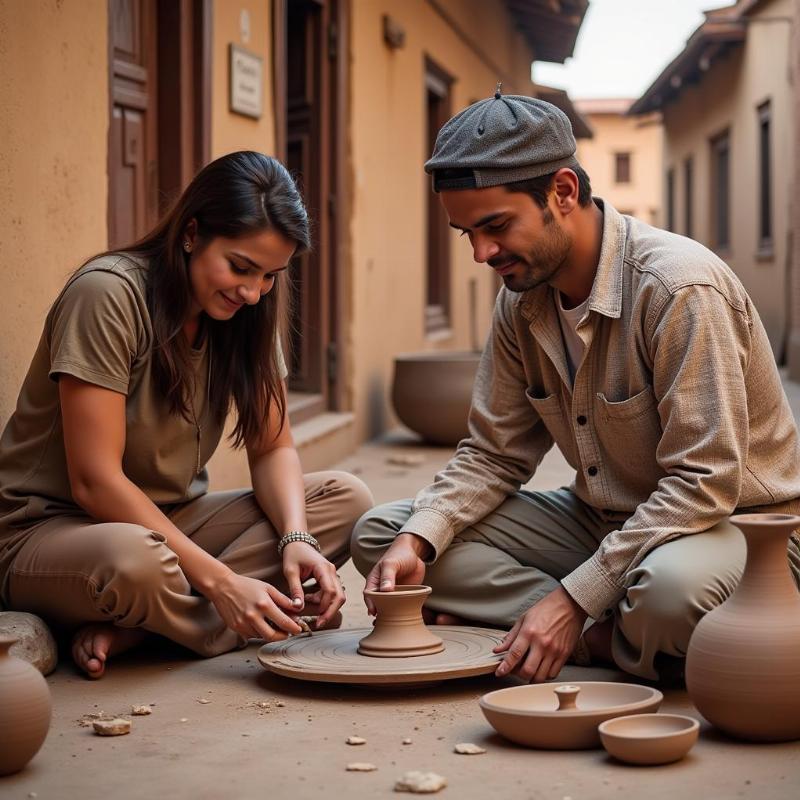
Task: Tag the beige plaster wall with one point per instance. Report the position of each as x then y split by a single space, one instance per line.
728 98
53 129
229 131
388 141
642 138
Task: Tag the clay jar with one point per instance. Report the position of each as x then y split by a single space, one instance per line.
24 710
743 661
399 629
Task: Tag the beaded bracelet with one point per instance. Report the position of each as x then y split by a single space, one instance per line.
298 536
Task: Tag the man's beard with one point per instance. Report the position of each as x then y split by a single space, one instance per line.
542 264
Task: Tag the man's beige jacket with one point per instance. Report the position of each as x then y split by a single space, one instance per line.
677 415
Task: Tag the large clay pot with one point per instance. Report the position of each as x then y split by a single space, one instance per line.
743 661
24 710
432 393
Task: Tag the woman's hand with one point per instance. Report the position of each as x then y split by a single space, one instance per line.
302 561
253 608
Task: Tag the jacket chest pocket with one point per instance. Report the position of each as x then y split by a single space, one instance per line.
630 431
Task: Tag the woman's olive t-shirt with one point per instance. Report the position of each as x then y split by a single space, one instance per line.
99 330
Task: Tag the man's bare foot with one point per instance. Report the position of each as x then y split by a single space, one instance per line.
93 644
598 640
430 617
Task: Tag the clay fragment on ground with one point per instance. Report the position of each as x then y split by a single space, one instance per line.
469 749
407 741
360 766
420 782
203 700
141 711
355 740
405 459
280 704
112 727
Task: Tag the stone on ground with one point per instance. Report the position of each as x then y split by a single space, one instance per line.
360 766
420 782
112 727
35 644
469 749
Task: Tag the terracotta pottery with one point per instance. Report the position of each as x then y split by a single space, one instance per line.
564 717
399 630
432 393
24 710
333 657
649 738
743 661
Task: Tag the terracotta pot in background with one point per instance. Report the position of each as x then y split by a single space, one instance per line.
743 661
24 710
432 392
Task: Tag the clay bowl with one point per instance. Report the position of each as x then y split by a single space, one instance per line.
649 738
564 717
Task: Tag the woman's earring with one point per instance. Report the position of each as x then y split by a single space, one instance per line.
187 247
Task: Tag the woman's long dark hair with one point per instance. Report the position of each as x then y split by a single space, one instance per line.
235 195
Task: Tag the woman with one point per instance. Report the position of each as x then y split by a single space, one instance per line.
105 520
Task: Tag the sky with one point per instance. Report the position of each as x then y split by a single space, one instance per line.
623 45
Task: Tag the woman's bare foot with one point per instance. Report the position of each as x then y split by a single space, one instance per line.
93 644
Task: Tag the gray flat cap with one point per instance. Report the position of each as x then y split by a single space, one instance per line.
503 139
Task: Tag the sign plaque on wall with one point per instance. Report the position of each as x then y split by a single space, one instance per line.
247 82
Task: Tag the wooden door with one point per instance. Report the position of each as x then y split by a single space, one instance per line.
160 101
132 152
310 73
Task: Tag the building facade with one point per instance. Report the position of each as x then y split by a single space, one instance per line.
110 106
727 105
623 156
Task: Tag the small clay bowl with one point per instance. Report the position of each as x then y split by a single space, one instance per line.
649 738
564 717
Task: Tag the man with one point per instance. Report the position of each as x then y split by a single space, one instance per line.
640 355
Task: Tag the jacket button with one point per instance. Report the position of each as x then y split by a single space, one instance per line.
592 471
582 420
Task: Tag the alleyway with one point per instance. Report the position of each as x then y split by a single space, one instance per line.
232 747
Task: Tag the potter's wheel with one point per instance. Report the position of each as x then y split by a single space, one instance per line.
332 657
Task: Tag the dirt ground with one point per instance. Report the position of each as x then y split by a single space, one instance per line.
231 745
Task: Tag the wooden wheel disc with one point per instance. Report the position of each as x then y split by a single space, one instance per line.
333 657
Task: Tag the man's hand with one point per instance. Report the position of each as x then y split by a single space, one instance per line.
401 563
543 638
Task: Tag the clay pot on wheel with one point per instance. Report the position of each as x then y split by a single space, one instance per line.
432 393
400 631
743 661
24 710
